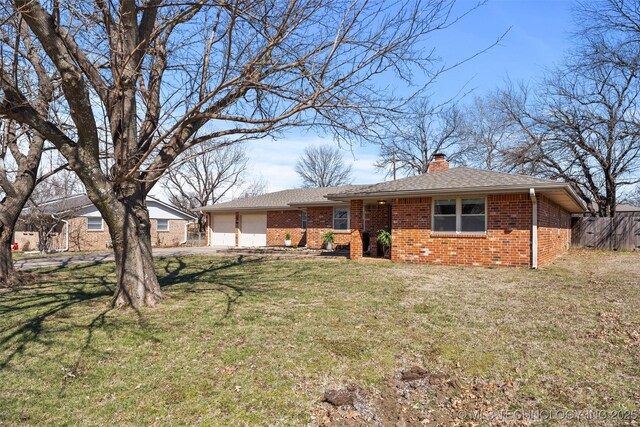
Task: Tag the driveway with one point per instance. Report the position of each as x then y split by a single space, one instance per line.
64 259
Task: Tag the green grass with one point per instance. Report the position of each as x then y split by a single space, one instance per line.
255 341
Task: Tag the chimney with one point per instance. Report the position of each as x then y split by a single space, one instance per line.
438 163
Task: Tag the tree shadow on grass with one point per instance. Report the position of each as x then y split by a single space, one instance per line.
25 310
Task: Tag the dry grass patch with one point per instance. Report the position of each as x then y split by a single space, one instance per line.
257 341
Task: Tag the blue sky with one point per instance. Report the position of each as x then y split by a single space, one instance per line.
540 34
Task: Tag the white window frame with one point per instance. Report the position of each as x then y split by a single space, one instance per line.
101 223
303 219
458 200
158 225
333 223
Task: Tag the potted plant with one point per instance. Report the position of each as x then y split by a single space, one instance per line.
384 238
328 238
287 239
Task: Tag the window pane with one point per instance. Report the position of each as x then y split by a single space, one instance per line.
340 213
340 224
472 206
445 207
163 225
444 223
94 223
304 220
472 223
340 218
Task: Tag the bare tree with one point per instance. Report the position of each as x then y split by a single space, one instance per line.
143 81
633 198
485 134
323 166
21 146
207 175
584 128
254 187
49 205
414 136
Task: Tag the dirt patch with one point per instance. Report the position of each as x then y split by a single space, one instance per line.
342 397
416 397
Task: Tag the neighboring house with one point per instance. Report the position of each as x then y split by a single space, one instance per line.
82 228
456 216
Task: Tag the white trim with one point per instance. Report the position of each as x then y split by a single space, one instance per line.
534 228
333 219
458 215
95 229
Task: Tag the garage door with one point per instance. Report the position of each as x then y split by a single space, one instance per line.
224 230
253 230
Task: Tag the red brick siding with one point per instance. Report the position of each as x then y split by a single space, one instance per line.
355 220
554 230
279 223
376 218
320 221
506 243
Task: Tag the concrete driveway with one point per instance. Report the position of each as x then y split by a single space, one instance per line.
68 258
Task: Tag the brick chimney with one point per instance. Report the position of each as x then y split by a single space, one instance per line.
438 163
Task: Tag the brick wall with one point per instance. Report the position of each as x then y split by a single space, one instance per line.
506 243
279 223
81 239
173 237
355 214
554 230
320 221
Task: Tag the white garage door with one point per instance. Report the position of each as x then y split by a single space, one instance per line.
224 230
253 230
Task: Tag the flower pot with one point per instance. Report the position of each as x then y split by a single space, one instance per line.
287 243
329 246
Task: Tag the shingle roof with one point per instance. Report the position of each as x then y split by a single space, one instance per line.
450 179
64 205
75 203
284 199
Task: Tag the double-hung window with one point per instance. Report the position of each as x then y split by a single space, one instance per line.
163 225
304 220
340 218
94 223
460 215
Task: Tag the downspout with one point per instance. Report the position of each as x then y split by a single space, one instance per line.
534 228
186 231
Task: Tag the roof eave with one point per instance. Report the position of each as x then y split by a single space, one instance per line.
462 190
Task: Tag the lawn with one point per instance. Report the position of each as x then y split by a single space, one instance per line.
258 341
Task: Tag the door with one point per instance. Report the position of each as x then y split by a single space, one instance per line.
224 230
253 230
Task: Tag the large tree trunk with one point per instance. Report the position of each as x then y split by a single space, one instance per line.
130 229
7 271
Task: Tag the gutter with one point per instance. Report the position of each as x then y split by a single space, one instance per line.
534 228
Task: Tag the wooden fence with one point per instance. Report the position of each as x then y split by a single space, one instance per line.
618 233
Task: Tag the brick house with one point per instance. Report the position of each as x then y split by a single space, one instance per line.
82 228
454 216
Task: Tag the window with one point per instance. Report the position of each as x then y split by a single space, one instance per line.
340 218
304 220
163 225
459 215
94 223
